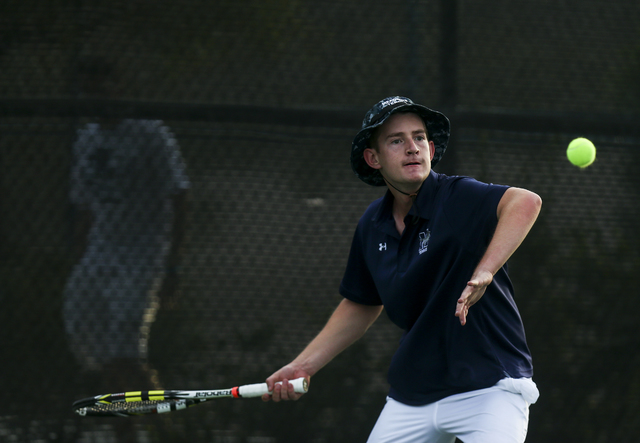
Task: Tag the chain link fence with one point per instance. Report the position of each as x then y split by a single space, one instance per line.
215 207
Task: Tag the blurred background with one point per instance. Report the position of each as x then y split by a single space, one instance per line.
248 186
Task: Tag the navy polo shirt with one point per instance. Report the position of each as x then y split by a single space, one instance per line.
418 277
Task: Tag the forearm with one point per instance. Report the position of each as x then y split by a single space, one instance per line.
346 325
517 212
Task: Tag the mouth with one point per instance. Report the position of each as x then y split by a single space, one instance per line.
414 163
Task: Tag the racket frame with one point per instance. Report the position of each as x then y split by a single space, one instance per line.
163 401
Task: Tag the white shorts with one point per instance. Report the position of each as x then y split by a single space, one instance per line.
499 414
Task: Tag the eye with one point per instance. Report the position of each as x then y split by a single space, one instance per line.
396 141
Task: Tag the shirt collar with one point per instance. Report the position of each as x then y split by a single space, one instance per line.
422 206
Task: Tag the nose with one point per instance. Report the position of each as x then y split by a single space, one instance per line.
412 148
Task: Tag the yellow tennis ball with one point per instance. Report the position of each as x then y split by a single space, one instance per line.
581 152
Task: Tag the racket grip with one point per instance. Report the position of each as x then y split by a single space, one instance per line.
300 386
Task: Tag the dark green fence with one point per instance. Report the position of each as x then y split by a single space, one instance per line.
263 99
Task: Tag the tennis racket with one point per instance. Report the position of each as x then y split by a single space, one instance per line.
133 403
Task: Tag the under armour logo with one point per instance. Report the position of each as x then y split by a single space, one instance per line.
382 247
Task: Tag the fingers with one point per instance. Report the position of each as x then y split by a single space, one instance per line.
472 293
466 300
285 391
462 310
282 390
271 383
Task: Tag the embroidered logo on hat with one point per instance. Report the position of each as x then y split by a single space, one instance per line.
393 100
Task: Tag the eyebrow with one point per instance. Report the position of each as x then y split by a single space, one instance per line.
397 134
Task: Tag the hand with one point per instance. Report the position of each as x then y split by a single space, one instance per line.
472 293
285 391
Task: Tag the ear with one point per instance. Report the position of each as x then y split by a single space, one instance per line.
371 157
432 148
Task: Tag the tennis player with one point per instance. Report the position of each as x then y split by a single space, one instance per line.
432 252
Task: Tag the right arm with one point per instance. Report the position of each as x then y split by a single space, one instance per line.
346 325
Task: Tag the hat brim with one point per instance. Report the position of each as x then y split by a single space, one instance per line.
438 129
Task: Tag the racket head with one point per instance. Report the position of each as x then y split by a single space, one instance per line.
130 404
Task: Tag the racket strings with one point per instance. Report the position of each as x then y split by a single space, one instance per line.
131 408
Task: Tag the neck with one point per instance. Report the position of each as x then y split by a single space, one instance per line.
402 202
411 195
407 198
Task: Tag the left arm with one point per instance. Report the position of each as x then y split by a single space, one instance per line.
517 211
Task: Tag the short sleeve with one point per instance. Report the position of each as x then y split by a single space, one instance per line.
472 211
357 283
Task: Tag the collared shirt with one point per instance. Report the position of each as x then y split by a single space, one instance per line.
418 277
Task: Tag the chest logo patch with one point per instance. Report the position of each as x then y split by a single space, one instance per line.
424 241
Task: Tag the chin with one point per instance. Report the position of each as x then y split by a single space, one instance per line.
417 178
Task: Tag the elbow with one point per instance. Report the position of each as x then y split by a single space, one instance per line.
530 205
534 201
522 202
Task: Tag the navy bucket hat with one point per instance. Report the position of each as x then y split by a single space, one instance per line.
438 129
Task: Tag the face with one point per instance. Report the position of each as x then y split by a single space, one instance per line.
404 154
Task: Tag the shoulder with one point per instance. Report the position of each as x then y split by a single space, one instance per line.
462 183
373 212
373 208
470 206
464 188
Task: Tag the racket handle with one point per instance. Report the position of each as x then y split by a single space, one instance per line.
300 386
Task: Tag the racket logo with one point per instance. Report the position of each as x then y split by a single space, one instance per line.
220 393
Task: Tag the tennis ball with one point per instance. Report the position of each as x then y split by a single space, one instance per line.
581 152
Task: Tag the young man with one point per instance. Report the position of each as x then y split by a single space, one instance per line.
432 252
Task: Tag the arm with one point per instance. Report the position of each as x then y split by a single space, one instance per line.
346 325
517 212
